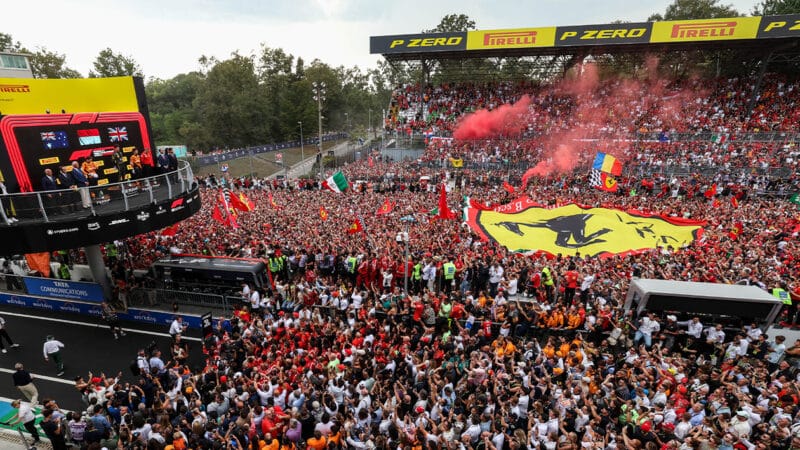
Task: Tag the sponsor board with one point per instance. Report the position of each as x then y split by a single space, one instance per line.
514 38
779 26
48 161
418 43
94 310
705 29
34 96
623 33
63 289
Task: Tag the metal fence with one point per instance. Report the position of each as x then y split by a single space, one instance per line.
207 160
165 297
89 201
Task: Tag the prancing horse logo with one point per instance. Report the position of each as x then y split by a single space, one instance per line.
565 227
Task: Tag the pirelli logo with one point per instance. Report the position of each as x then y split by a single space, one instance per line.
716 29
513 38
15 88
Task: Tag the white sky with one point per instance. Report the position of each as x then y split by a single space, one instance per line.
166 37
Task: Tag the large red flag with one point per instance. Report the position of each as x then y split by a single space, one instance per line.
217 215
508 187
444 210
386 208
170 231
355 227
272 202
237 203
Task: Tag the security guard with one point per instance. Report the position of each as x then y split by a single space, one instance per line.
782 294
63 271
351 263
274 265
449 270
548 283
416 276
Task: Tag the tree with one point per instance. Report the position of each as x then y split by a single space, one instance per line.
695 9
7 43
453 23
776 7
48 64
110 64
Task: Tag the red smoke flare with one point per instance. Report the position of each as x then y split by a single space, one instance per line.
505 120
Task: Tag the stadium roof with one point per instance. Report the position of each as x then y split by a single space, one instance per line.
760 34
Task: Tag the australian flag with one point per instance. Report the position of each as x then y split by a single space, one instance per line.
54 139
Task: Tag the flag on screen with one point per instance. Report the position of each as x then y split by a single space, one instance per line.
607 163
355 227
118 134
386 208
336 182
89 137
54 139
603 181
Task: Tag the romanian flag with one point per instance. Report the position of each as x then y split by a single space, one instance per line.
355 227
386 208
322 213
607 163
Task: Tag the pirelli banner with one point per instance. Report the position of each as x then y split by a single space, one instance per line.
666 32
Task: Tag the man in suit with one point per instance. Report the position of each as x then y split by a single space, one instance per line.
50 200
65 181
83 185
163 162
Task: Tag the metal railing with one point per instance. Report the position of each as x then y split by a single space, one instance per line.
88 201
192 298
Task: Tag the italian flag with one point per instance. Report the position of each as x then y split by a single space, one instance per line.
337 182
719 138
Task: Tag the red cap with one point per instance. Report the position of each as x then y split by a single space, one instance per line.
420 409
646 427
223 379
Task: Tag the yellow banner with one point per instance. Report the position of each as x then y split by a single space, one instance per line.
513 38
38 96
572 229
705 29
48 161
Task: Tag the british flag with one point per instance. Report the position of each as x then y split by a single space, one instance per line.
48 136
118 134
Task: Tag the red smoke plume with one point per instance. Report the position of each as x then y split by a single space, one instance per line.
505 120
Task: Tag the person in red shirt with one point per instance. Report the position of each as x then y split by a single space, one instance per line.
570 284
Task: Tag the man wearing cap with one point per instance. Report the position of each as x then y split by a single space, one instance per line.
52 349
23 380
741 424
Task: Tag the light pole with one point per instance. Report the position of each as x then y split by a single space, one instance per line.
403 236
302 151
319 96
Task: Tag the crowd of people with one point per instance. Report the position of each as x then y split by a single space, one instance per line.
487 349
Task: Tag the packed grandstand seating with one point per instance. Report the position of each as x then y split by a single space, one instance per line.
338 357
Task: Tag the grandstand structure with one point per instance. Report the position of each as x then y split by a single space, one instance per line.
766 41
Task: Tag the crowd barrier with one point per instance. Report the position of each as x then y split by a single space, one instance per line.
207 160
91 309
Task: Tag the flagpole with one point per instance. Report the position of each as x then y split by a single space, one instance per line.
364 226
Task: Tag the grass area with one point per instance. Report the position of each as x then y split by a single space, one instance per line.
263 164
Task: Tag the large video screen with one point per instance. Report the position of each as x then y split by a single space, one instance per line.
37 142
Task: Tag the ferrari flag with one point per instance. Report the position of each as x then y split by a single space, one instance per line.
525 226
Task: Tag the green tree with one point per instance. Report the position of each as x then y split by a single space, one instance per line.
776 7
695 9
48 64
110 64
7 43
453 23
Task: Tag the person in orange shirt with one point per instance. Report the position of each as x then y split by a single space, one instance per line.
556 319
89 169
317 442
136 164
503 347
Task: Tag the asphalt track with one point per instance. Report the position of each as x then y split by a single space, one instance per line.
89 347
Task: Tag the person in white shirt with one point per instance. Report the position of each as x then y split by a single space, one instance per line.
25 416
647 326
495 276
177 327
693 327
52 349
255 301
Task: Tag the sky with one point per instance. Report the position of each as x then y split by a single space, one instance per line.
167 37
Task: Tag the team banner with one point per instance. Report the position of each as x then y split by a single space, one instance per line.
515 38
73 95
418 43
64 289
525 226
705 29
621 33
676 31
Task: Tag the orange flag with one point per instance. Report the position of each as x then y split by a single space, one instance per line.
40 262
